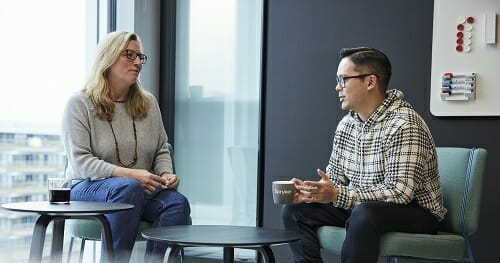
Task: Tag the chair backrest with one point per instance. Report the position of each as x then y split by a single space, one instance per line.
170 149
461 172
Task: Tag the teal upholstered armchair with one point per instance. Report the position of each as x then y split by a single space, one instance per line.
462 171
90 230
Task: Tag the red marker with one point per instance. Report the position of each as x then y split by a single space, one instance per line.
460 74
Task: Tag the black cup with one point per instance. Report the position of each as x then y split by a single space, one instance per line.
59 191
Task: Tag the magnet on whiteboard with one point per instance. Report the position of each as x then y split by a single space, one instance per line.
460 27
467 34
461 19
490 27
467 42
468 27
467 49
470 19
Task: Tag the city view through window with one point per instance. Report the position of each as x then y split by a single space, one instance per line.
46 48
44 55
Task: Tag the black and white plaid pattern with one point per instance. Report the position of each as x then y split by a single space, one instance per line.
391 157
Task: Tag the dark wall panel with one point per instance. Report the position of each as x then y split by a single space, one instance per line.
302 108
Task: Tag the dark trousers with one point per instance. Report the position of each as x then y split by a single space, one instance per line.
365 224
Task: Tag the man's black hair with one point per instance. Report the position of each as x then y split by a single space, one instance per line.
370 60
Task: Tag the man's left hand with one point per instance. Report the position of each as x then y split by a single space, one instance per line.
322 191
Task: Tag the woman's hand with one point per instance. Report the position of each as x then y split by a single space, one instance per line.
171 181
150 182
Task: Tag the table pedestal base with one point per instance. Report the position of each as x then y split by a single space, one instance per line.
265 251
40 229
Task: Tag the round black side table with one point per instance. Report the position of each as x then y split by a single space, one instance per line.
60 212
228 237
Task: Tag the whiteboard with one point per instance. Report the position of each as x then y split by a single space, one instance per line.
483 59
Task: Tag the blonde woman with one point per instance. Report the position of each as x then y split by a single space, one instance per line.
115 142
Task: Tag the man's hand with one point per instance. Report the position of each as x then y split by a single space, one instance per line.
322 191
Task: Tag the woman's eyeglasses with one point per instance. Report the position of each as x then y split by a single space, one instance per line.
132 55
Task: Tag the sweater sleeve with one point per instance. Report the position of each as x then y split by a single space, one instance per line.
162 162
334 167
76 133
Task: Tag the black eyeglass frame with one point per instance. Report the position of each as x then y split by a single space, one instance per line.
341 78
132 55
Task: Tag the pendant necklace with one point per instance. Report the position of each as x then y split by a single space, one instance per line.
131 164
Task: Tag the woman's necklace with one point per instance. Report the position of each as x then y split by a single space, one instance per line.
110 118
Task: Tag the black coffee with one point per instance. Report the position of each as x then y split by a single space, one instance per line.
59 196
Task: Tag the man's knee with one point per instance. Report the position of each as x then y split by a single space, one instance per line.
364 214
289 212
286 211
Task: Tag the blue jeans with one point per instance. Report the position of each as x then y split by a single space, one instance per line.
162 208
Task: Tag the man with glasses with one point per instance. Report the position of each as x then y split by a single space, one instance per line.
382 174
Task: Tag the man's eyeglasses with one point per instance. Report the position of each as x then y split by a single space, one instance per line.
132 55
341 79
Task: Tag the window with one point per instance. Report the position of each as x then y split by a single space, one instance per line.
217 90
44 49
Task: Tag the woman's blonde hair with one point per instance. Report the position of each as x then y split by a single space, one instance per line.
98 88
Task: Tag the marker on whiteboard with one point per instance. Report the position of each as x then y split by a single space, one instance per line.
462 86
458 75
463 80
458 81
446 90
459 85
460 91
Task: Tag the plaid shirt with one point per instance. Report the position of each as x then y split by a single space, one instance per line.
390 157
